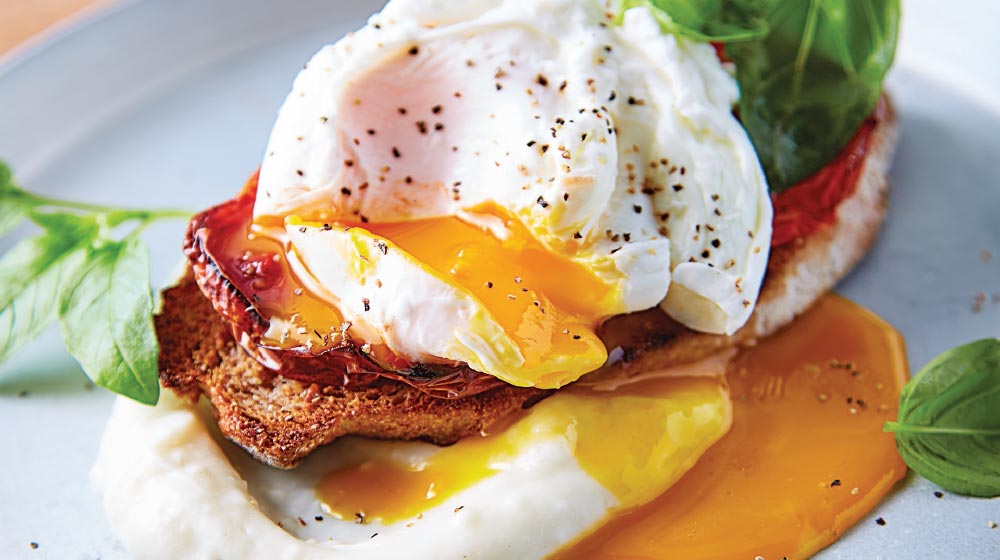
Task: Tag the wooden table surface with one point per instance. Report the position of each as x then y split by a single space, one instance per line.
22 19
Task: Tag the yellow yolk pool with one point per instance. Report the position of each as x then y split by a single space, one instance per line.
548 304
505 304
635 443
806 457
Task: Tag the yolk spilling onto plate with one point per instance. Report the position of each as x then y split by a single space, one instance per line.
806 457
635 443
804 460
549 305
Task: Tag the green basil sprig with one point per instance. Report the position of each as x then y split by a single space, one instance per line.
810 71
96 283
948 429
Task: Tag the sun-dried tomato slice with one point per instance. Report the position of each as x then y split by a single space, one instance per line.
812 203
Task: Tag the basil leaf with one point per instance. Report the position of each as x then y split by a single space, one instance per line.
13 202
810 71
32 273
949 420
807 87
707 20
106 319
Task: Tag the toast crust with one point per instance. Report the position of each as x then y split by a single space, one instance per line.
280 421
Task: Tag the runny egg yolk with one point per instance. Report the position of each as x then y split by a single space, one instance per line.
635 443
806 457
549 305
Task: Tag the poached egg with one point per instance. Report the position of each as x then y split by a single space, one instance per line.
486 182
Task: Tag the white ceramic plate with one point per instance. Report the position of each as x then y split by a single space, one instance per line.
169 102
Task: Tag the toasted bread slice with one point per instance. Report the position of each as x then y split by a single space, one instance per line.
280 421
